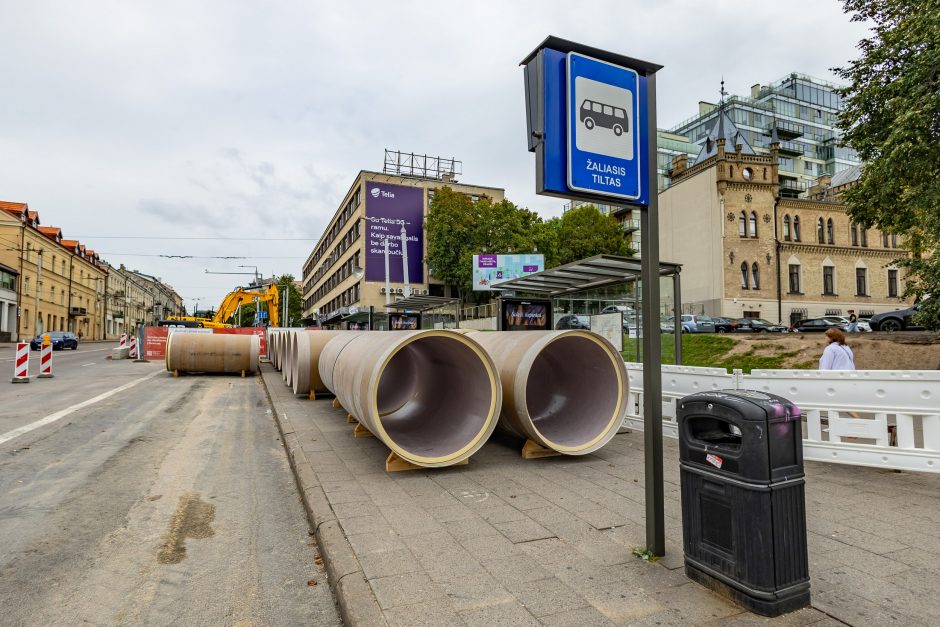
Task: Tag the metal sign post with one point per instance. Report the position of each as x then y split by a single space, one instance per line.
591 120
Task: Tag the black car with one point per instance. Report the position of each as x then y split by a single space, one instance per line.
817 325
899 320
59 339
723 325
759 325
572 321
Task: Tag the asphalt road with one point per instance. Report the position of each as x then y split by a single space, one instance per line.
169 501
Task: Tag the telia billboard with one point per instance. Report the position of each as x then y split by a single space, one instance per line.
490 270
387 208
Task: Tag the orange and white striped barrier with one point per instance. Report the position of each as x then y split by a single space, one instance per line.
133 351
45 361
21 363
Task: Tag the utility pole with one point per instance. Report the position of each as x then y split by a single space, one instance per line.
38 289
404 259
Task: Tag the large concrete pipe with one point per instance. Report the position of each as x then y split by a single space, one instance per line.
306 360
207 352
565 390
273 346
286 355
432 396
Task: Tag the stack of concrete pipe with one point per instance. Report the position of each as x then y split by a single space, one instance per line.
207 352
430 396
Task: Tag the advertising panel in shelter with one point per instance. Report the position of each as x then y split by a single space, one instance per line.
388 207
489 270
516 314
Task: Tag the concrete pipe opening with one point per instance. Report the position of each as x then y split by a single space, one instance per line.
433 397
565 390
572 377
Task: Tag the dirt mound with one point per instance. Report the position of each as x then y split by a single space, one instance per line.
873 351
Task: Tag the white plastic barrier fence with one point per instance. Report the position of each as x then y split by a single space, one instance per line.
882 418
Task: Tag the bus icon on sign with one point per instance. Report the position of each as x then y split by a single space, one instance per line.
606 116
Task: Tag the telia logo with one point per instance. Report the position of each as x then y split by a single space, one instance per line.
375 192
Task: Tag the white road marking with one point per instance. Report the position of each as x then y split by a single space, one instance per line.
90 363
9 435
94 350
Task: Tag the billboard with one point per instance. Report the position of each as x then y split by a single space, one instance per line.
387 208
517 314
404 321
489 270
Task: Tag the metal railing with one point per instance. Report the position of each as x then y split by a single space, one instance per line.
479 311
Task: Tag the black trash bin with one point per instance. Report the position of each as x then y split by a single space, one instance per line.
743 510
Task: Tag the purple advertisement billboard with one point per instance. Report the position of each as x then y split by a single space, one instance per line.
387 208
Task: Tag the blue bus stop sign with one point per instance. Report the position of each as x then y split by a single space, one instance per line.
603 116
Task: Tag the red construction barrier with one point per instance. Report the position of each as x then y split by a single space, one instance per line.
133 351
45 361
154 346
21 363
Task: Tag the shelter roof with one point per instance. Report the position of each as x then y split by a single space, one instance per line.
591 273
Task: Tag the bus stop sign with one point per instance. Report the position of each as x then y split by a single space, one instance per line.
589 122
603 110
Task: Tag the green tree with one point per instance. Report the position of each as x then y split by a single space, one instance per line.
584 232
891 117
458 228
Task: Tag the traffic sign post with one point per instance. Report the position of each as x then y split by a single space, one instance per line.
591 121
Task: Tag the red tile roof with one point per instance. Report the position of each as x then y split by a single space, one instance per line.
51 231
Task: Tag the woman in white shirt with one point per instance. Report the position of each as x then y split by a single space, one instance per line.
836 356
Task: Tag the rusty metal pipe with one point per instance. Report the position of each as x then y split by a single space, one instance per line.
306 360
431 396
207 352
565 390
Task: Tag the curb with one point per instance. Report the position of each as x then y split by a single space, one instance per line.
357 602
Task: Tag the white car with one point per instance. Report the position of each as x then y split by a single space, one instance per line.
842 320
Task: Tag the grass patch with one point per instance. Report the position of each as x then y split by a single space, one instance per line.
711 350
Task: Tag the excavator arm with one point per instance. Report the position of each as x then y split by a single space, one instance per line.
238 297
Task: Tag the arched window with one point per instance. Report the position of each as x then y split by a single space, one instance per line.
820 231
745 278
854 235
796 228
742 225
786 228
830 233
753 224
755 275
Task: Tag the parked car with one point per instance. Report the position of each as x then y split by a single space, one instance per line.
899 320
844 322
60 340
624 309
864 324
759 325
572 321
818 325
723 325
692 323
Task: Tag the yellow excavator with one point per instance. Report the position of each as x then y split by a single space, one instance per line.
230 305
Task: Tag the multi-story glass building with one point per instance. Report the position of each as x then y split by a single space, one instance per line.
802 109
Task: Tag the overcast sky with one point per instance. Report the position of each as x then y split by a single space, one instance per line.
239 119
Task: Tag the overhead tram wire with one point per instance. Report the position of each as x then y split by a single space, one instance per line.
198 256
234 239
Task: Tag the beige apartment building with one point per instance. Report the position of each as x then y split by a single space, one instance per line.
136 299
748 252
48 283
347 267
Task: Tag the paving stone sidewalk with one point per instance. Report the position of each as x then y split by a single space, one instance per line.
505 541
